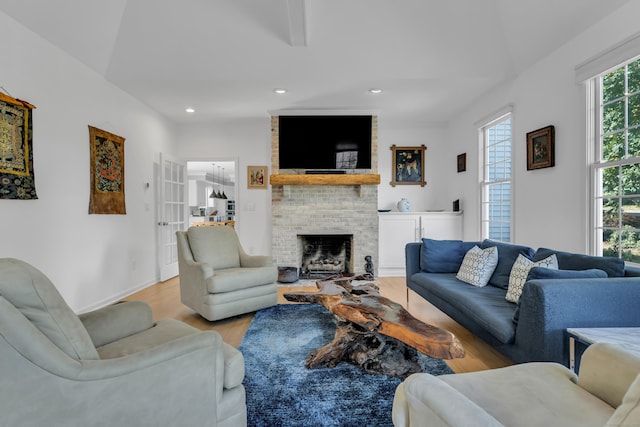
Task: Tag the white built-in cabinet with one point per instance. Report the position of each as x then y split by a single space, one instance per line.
396 229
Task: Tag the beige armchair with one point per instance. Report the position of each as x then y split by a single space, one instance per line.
218 279
607 393
112 366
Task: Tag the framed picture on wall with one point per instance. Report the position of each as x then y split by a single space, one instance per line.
462 162
408 165
541 148
257 177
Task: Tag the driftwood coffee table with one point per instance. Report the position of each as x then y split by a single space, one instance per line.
372 331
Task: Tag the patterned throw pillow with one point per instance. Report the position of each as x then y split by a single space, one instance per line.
478 266
520 271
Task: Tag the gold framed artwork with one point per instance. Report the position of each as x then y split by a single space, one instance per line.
408 165
107 173
541 148
17 180
256 177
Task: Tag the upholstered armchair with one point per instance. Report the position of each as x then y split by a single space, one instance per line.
606 393
112 366
218 279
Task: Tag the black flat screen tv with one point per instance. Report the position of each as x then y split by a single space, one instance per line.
324 142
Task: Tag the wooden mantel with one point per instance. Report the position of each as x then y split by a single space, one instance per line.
325 179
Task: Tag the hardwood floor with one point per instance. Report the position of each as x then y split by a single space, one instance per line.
164 299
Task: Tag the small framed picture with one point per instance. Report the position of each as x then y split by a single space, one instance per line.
256 177
541 148
462 162
408 165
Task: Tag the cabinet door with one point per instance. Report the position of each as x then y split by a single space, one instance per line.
441 227
395 231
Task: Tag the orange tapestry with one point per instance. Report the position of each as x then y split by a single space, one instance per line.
107 173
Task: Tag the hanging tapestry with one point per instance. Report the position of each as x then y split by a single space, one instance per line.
107 173
16 149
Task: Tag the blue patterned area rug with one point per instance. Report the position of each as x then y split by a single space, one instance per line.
281 391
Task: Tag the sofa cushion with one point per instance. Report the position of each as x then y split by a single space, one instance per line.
478 265
234 279
520 271
546 273
507 255
443 256
485 307
215 245
614 267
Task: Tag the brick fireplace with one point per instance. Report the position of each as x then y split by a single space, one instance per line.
324 210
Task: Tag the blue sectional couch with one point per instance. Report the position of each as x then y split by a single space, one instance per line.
585 291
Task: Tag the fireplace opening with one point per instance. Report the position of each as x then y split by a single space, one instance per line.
325 255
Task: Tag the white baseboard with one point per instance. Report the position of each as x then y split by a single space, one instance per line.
115 298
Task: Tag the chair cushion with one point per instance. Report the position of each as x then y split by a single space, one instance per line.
33 294
233 279
216 246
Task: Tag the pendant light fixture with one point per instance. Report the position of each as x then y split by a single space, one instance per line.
223 196
219 194
213 194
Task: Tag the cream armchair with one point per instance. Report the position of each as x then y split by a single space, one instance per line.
607 393
112 366
218 279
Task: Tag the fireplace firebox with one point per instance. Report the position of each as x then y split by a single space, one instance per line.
324 255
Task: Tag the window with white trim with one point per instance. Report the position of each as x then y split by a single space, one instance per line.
496 183
616 164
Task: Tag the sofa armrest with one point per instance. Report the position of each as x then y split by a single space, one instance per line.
548 307
117 321
607 371
424 400
412 258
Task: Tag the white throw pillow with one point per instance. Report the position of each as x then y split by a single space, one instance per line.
478 266
520 271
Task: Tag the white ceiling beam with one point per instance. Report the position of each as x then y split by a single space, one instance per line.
297 22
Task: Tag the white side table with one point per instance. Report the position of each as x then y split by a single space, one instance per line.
581 338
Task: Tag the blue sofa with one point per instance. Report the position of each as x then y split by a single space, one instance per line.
534 328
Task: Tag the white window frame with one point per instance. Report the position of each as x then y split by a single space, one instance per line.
594 157
485 183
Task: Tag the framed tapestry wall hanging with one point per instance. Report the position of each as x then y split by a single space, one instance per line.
107 173
408 165
16 149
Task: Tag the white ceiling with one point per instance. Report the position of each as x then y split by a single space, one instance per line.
224 57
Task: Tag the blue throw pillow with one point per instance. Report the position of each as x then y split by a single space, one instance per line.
441 256
507 255
614 267
547 273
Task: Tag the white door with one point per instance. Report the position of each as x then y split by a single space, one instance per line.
394 232
172 213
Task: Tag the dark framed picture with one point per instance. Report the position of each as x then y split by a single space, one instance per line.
408 165
541 148
462 162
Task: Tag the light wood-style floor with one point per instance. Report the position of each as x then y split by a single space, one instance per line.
164 299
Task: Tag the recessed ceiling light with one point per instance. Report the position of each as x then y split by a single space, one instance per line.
375 90
280 91
190 110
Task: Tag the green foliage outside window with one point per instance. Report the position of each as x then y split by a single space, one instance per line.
621 145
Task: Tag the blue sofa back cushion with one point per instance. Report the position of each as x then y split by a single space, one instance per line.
443 256
614 267
548 273
507 255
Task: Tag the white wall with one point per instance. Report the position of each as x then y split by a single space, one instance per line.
92 259
550 204
250 142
